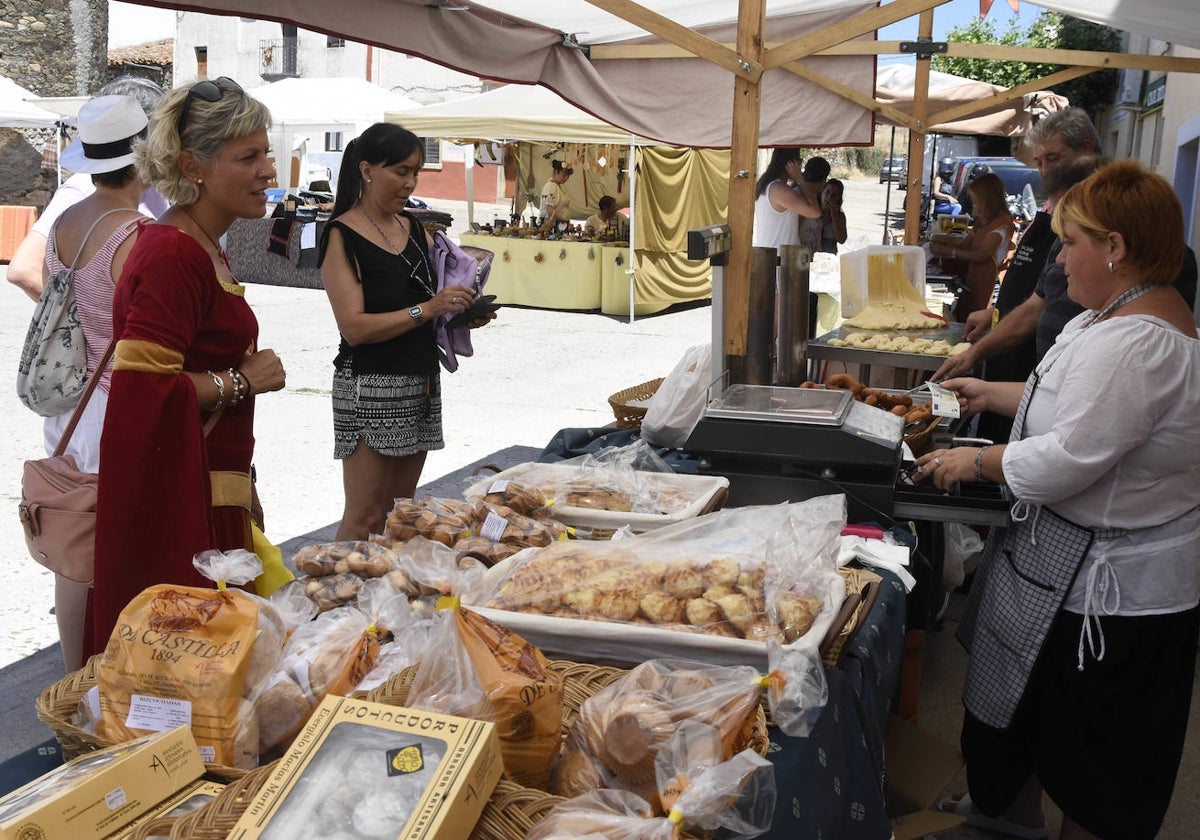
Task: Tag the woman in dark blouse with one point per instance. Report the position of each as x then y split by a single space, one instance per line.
387 410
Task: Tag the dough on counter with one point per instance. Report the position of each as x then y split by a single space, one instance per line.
892 316
901 344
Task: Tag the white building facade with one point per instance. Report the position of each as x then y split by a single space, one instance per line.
256 52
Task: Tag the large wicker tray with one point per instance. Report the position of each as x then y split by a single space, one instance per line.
509 814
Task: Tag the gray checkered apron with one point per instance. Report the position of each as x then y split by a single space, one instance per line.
1024 576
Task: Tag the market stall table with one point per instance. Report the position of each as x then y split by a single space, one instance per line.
615 277
543 273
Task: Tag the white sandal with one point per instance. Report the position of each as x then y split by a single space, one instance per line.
964 807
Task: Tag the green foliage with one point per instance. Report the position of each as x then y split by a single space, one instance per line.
1050 30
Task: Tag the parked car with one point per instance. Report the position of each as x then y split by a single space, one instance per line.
892 168
1012 172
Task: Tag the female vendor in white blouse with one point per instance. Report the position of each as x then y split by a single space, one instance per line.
1082 623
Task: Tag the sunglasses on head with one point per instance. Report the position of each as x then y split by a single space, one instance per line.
208 90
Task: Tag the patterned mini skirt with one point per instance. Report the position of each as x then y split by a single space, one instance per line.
396 415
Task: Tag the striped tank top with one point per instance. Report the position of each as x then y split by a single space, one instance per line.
94 294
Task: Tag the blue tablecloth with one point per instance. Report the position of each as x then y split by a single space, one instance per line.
831 783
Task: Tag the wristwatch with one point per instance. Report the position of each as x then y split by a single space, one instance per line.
417 313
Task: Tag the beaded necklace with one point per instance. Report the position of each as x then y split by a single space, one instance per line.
412 269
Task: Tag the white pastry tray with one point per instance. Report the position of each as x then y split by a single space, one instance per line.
699 491
573 638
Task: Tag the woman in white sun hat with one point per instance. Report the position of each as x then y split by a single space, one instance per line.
95 235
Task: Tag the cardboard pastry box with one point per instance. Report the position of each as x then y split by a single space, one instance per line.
101 792
377 772
191 798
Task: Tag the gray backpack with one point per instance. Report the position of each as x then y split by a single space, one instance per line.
52 372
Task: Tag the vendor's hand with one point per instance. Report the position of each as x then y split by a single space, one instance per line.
449 301
972 394
956 365
264 371
978 324
946 467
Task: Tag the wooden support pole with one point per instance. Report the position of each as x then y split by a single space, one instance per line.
760 321
916 139
743 166
792 316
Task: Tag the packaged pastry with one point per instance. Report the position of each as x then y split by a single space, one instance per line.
192 655
441 520
475 668
362 558
702 796
523 498
624 725
368 771
330 655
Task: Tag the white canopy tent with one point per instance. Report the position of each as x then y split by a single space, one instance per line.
16 111
306 109
512 112
516 113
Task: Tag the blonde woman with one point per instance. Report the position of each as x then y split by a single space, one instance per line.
187 356
985 249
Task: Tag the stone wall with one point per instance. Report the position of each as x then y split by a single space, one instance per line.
22 178
55 47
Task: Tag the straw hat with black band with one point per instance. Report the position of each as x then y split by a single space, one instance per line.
108 125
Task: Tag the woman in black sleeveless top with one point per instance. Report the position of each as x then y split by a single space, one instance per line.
387 410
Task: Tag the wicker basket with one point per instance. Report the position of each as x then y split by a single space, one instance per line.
918 441
509 814
58 704
862 587
630 416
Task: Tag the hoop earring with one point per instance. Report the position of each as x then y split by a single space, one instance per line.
1112 268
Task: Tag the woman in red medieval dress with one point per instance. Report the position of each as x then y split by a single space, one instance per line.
178 437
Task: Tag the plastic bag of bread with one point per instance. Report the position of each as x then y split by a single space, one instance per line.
603 815
293 605
526 499
407 648
427 570
330 591
329 655
362 558
187 653
441 520
622 727
708 797
502 524
475 668
706 575
484 550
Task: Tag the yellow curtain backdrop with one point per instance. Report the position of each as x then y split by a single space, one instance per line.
677 190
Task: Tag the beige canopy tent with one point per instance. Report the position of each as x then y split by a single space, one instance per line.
788 71
895 86
676 189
